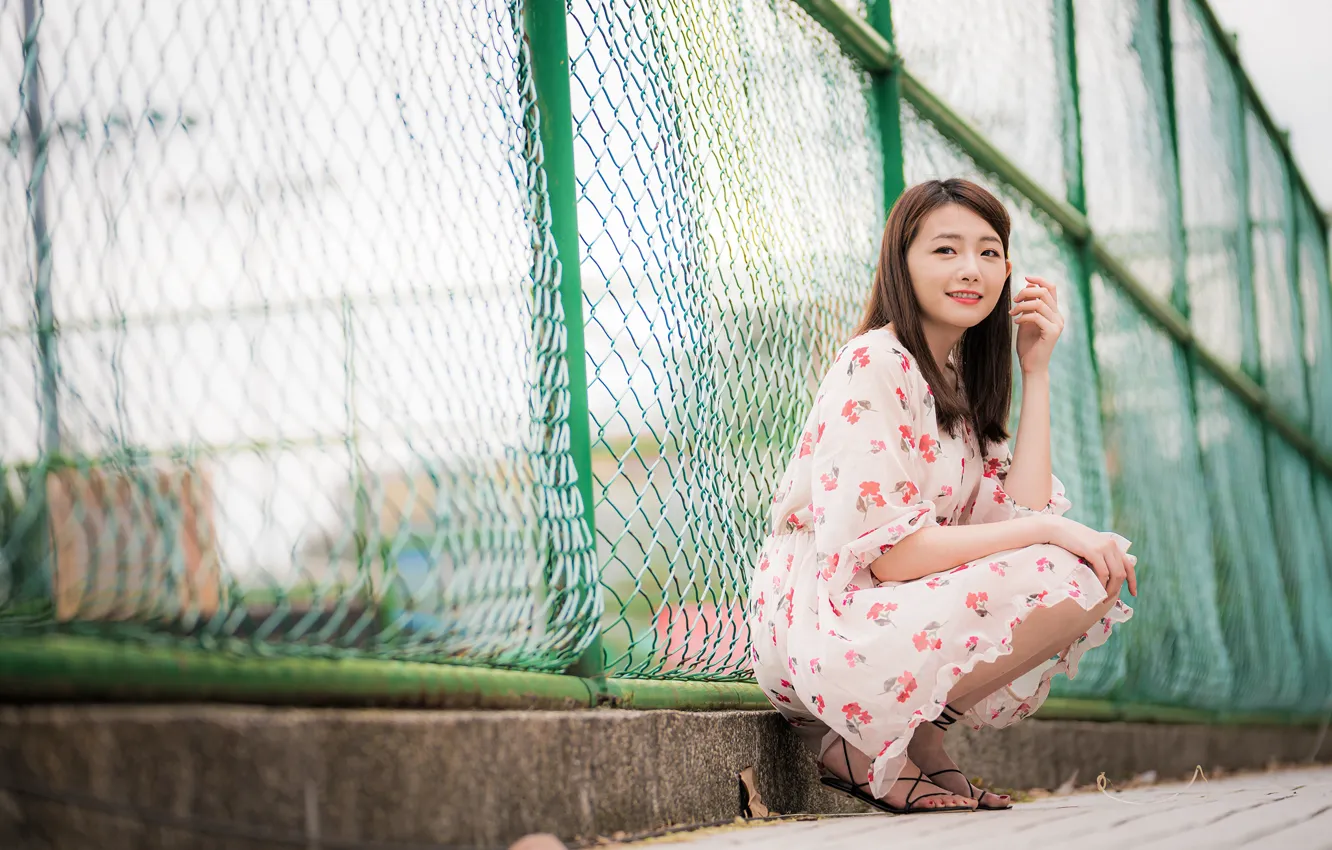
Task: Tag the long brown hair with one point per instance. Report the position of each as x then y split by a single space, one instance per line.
984 355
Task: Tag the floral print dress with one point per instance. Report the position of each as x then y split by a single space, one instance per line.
871 661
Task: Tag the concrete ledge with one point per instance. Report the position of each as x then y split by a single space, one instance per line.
221 776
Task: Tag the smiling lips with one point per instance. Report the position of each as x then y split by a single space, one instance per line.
965 296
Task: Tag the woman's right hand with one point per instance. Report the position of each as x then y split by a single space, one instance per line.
1099 549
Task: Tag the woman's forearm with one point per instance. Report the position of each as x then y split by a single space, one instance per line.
1028 481
938 548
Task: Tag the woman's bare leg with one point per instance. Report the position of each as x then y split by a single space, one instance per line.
1045 632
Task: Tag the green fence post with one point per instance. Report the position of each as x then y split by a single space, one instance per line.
545 30
1066 62
887 98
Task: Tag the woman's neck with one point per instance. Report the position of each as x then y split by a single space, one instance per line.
941 340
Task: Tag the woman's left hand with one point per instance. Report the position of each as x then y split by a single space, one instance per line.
1036 312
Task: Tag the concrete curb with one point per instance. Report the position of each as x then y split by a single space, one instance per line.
231 776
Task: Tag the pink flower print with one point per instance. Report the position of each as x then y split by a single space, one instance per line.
785 684
859 358
1022 711
849 597
869 497
906 364
772 632
1017 621
927 446
1043 565
886 745
976 602
999 567
1035 599
853 658
904 687
991 467
945 491
929 398
793 523
1075 591
817 699
1000 496
815 666
830 566
901 397
957 671
806 445
782 697
833 606
819 437
791 664
1106 622
936 583
788 604
994 715
790 560
855 716
959 569
818 515
927 639
877 446
908 439
908 491
764 563
852 409
972 643
881 613
829 479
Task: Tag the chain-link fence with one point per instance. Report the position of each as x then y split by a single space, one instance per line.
290 360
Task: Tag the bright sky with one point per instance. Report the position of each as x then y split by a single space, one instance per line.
1283 44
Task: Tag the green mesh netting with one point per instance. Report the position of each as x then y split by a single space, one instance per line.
1279 331
295 397
1016 104
1211 169
1127 161
1304 566
1251 600
730 203
1175 650
1316 306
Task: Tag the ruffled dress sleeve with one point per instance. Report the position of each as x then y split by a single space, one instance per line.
868 468
993 504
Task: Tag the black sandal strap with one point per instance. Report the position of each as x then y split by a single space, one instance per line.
947 717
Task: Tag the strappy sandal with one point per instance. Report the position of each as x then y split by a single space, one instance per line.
980 801
854 789
947 718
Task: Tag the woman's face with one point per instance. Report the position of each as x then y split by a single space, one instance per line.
957 267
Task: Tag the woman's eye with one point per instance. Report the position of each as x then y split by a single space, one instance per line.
989 252
944 249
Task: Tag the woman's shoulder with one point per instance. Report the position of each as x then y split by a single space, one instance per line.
875 361
880 351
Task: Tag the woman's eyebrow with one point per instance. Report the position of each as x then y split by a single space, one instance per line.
958 236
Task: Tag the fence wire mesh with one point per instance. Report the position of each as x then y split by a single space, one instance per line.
283 368
292 396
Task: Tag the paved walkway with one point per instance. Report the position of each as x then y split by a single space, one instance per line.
1285 809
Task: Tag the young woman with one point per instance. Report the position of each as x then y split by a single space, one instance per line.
914 567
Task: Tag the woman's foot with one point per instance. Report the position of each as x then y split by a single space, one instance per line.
851 764
926 749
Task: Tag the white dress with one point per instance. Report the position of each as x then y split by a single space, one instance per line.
871 661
